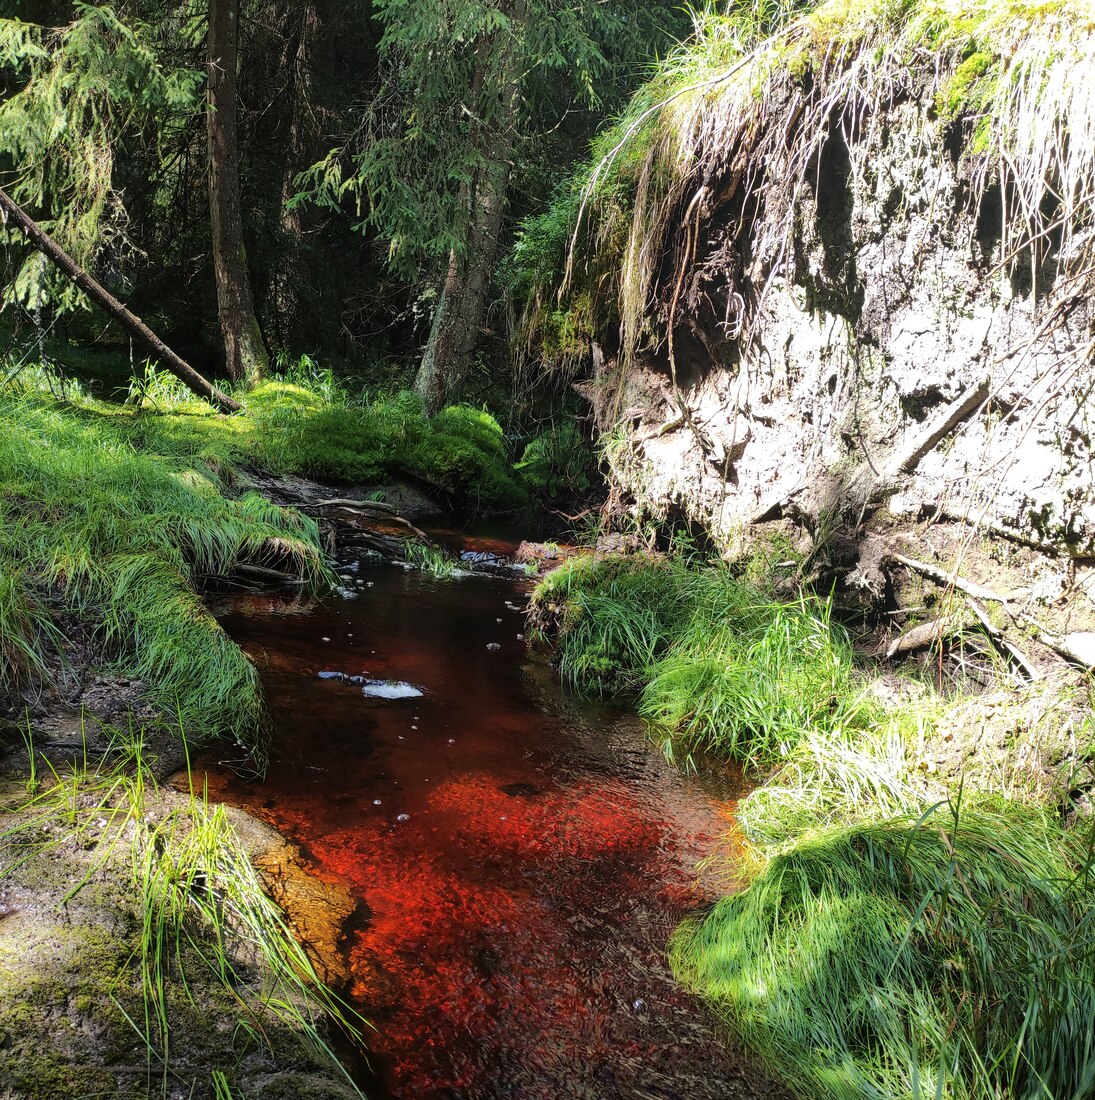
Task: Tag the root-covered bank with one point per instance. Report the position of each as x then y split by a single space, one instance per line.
833 272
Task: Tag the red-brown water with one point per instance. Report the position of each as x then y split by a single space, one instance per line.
521 859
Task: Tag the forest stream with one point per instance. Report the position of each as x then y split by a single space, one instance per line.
520 857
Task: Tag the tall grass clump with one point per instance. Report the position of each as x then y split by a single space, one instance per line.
716 664
831 779
122 540
202 902
946 955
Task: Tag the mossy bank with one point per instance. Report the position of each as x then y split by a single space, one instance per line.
140 951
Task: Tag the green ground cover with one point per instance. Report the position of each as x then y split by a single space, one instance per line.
896 937
115 517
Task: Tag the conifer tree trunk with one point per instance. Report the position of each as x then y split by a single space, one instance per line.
458 318
245 353
304 147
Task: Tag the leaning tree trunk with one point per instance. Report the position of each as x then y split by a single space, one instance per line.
49 248
245 353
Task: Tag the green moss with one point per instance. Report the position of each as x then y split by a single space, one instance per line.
475 425
970 88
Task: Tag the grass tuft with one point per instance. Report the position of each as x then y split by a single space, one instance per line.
944 955
718 665
202 912
121 540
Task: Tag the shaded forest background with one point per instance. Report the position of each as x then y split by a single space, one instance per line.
386 152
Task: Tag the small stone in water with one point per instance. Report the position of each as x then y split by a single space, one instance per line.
376 802
326 675
493 645
497 620
452 740
403 817
389 689
414 727
325 639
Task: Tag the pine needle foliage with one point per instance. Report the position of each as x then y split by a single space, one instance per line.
75 92
945 955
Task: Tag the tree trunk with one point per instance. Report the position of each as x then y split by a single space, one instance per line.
458 318
98 293
245 353
303 148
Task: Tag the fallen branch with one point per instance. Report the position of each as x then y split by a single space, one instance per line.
941 425
394 519
49 248
262 573
920 637
351 502
997 635
953 580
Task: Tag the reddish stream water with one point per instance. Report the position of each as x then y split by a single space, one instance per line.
520 858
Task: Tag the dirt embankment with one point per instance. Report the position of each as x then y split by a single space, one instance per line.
854 352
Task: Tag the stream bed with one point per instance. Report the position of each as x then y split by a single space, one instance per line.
520 857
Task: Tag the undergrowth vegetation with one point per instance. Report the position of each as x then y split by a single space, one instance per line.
945 955
114 518
309 423
97 536
895 938
717 664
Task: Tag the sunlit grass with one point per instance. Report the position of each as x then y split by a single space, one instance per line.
716 664
431 559
123 540
941 955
